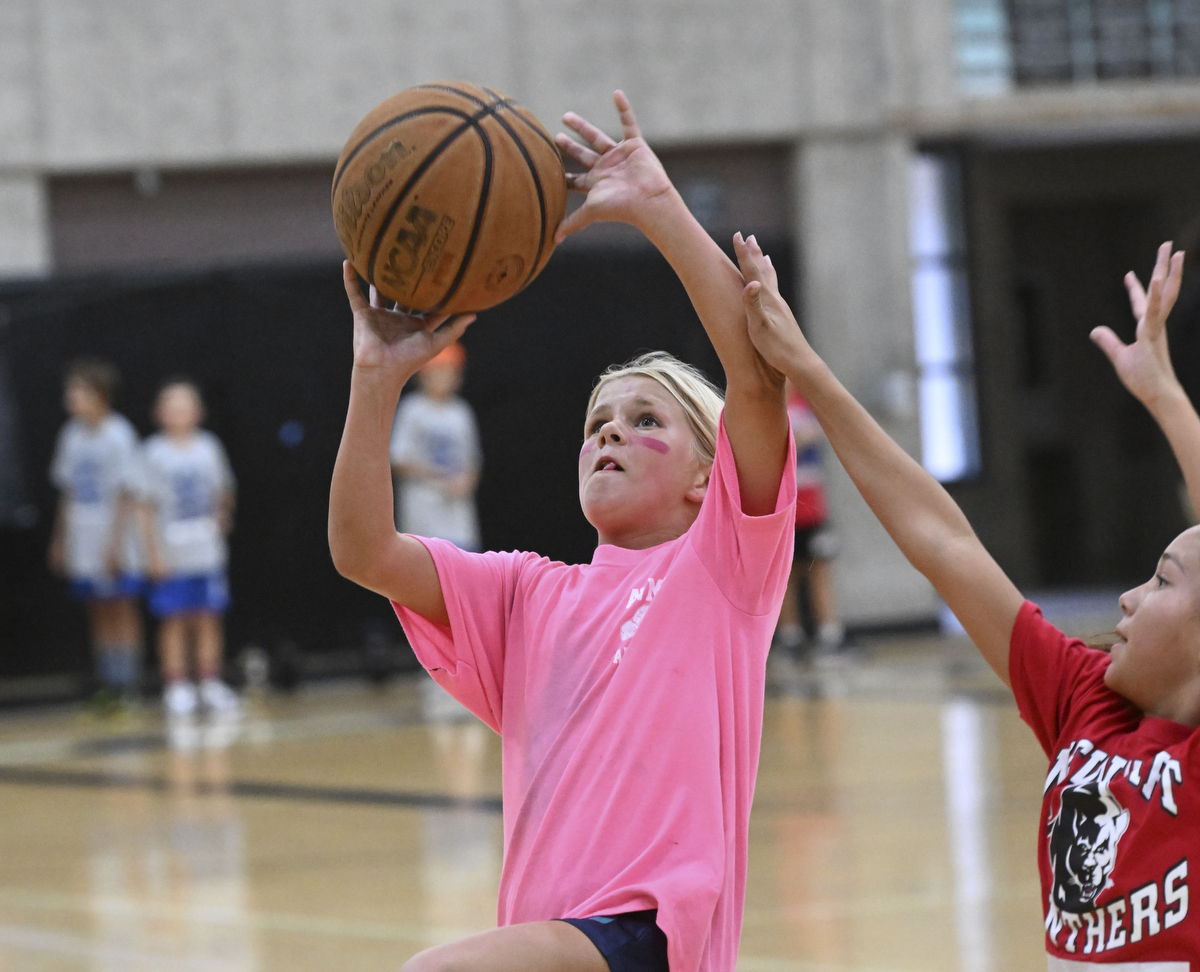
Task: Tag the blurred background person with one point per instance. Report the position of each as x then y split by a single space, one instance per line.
435 455
811 578
94 538
436 460
187 493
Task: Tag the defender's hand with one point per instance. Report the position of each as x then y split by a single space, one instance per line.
1144 366
621 177
392 341
773 328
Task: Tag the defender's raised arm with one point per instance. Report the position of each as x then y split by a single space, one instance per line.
925 522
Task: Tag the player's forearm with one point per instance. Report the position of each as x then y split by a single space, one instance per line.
917 512
360 495
1176 416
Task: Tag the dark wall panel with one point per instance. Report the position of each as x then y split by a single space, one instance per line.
273 347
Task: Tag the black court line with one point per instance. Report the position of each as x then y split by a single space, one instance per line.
27 776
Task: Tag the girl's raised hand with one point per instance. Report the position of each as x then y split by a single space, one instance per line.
1144 366
390 340
621 176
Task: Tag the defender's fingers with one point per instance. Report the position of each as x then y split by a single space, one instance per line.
580 153
749 261
353 291
1108 342
629 125
588 132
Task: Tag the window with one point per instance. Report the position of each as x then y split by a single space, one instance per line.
942 320
1038 42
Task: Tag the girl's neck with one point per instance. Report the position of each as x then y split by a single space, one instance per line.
181 438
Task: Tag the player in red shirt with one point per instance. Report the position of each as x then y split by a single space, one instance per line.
1119 821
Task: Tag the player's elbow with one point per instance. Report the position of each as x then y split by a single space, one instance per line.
350 559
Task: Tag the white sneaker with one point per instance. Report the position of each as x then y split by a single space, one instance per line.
180 699
219 697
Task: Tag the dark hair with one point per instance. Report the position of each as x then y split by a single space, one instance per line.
180 380
99 375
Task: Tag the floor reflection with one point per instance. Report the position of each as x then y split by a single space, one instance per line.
168 871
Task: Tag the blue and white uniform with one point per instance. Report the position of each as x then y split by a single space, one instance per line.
184 483
441 435
94 466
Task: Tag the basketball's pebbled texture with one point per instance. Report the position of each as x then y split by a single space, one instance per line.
446 197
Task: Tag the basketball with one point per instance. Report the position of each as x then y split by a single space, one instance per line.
446 197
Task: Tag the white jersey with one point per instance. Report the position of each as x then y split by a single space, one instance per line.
441 435
184 483
94 466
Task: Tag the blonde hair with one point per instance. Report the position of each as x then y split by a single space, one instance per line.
700 399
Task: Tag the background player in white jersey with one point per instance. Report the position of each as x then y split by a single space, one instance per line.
94 539
187 493
435 455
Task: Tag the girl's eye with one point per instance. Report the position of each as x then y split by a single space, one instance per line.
647 420
1161 580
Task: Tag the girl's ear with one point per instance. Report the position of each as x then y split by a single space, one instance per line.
699 488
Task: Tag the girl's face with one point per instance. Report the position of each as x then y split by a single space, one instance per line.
178 410
640 480
1156 664
83 402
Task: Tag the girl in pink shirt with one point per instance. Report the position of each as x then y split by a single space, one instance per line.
628 691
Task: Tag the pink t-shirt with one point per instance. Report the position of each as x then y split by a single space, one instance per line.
629 695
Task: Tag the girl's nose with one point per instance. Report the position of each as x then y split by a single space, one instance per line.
609 433
1128 601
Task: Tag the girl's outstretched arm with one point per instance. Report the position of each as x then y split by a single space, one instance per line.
925 522
625 182
1144 366
389 348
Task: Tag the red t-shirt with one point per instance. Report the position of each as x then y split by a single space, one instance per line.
811 508
1119 818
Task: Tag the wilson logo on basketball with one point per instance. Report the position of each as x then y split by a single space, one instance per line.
412 241
354 197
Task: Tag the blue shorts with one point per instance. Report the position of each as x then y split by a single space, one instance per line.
630 942
119 588
193 592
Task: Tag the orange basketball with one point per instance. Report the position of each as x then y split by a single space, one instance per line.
446 197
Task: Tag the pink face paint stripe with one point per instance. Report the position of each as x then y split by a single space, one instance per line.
588 446
650 443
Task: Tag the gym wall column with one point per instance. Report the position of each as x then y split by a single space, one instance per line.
851 194
24 226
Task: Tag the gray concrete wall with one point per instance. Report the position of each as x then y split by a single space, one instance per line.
852 194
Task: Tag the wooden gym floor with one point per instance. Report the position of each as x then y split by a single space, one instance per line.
345 828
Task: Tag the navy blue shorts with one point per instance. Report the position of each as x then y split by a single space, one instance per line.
194 592
630 942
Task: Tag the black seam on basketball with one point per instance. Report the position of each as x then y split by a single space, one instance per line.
536 129
503 102
537 185
385 225
485 190
416 112
471 121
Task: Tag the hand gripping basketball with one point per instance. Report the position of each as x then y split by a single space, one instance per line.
392 340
